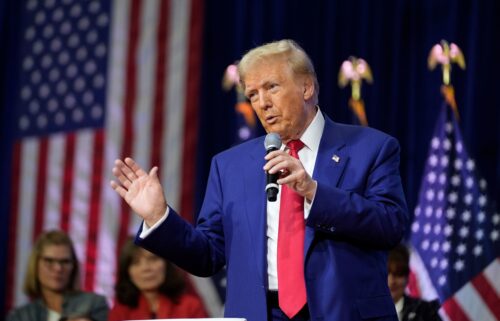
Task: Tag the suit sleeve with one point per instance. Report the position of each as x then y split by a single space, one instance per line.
373 210
199 250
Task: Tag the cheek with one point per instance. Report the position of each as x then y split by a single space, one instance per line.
134 274
259 112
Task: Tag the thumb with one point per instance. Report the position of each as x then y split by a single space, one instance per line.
153 173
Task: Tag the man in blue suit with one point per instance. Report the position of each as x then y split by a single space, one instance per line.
347 191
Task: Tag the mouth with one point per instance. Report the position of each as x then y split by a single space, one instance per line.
271 119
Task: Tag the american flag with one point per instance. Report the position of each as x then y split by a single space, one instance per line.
456 231
100 80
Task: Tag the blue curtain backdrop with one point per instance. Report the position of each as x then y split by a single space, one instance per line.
394 36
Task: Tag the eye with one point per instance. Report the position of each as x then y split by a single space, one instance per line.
252 96
273 87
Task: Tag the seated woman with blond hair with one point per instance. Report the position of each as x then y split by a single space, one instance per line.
52 283
149 287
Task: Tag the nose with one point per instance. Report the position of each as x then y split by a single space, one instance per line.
144 265
264 101
58 266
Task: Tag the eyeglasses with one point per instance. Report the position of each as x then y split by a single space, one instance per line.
51 262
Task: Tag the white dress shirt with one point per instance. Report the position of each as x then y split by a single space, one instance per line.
307 156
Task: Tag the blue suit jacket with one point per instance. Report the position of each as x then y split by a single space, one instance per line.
358 213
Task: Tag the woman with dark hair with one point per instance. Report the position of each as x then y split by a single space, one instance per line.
52 283
149 287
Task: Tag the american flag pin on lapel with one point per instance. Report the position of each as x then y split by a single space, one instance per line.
335 158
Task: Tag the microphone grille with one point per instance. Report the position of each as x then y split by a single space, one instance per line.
273 140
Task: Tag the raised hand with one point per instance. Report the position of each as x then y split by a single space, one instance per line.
142 191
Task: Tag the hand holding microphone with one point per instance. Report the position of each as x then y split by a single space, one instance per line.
282 168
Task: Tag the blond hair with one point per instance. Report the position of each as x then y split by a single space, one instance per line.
296 57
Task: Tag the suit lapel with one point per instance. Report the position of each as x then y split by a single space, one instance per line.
330 163
255 205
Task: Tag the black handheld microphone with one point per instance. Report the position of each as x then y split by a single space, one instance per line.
272 143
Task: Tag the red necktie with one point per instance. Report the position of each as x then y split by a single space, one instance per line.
291 283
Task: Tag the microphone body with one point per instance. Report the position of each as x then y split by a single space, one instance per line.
272 143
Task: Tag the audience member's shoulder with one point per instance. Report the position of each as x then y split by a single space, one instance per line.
27 311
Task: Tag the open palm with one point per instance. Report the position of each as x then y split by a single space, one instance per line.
142 191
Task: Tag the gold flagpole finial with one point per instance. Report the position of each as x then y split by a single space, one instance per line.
353 71
445 54
231 79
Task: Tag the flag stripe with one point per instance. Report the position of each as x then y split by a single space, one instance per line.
192 102
175 102
55 172
413 287
145 85
487 293
80 203
12 272
94 214
472 304
160 81
492 273
69 158
424 284
130 101
454 311
40 187
30 150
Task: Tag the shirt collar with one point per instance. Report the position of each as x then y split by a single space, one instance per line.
312 135
399 306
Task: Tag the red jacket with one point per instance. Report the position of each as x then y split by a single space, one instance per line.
188 306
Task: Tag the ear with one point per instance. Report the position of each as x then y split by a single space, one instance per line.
308 88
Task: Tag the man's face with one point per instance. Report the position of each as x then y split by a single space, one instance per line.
279 97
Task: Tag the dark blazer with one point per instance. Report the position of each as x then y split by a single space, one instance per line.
83 304
419 310
359 212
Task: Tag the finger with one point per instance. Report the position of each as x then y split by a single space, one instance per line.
120 175
274 161
297 177
122 167
274 154
135 167
119 189
283 164
287 179
127 170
